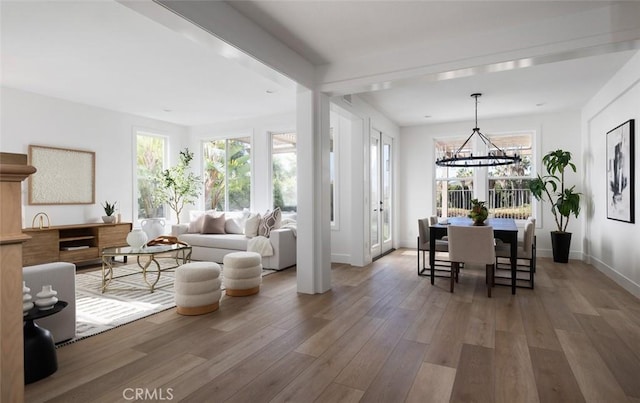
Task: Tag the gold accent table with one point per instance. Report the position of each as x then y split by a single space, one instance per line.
145 256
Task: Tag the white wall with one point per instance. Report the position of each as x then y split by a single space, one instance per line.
612 246
553 131
259 129
363 118
341 233
28 118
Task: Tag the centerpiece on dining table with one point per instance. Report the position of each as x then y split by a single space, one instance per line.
479 212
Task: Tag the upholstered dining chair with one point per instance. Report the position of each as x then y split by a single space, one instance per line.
526 258
423 247
472 245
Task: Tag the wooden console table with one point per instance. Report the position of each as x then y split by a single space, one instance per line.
72 243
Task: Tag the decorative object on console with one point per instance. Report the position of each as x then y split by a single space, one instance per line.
137 238
46 299
620 173
63 176
109 209
479 212
40 217
27 304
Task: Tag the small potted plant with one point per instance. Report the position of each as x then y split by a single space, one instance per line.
479 212
109 209
564 201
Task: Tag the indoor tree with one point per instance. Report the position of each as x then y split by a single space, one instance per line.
564 201
179 185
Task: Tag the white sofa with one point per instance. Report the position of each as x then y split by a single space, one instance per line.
62 277
213 247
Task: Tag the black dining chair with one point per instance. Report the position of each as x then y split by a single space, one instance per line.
442 269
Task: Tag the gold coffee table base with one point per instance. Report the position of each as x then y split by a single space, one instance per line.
145 256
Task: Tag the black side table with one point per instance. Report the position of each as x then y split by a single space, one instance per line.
40 358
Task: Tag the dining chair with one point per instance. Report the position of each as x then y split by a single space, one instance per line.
472 245
526 259
423 247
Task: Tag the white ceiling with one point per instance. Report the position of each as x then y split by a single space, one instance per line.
328 32
105 54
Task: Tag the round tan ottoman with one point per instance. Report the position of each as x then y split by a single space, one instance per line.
242 272
197 288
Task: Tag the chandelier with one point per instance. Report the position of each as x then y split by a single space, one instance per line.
495 156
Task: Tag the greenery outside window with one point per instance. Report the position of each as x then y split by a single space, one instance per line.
284 171
151 150
504 188
227 174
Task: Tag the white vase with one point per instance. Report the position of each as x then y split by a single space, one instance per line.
108 219
27 304
137 238
46 298
153 227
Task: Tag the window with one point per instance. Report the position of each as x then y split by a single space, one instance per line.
227 174
333 177
150 161
505 188
284 171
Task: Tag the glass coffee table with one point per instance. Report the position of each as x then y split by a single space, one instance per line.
146 257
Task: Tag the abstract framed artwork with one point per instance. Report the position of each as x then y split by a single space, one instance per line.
620 173
63 176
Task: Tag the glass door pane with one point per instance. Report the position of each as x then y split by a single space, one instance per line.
375 194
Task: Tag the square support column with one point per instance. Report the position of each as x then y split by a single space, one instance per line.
314 215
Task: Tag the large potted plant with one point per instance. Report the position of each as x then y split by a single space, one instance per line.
179 185
564 201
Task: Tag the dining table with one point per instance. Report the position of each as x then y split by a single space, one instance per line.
504 229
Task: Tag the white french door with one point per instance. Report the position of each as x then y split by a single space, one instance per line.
381 195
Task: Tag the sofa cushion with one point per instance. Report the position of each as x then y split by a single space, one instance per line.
233 226
220 241
270 221
251 225
196 219
213 224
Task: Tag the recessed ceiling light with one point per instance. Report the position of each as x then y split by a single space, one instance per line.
271 91
167 110
427 116
540 104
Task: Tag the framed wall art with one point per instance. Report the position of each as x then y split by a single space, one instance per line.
620 173
63 176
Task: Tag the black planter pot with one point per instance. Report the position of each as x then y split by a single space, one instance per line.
560 243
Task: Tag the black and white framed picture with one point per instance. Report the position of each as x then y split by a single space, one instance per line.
620 171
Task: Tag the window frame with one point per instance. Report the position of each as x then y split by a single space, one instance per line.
271 135
226 139
147 132
480 175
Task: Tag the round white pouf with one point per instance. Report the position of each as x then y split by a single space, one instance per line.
197 288
242 273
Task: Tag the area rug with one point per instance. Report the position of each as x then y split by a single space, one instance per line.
127 299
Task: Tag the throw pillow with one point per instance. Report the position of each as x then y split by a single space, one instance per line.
269 222
196 218
213 225
232 226
251 225
195 225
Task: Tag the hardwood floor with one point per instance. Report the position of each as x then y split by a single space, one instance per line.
382 334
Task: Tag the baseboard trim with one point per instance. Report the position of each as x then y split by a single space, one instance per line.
619 278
